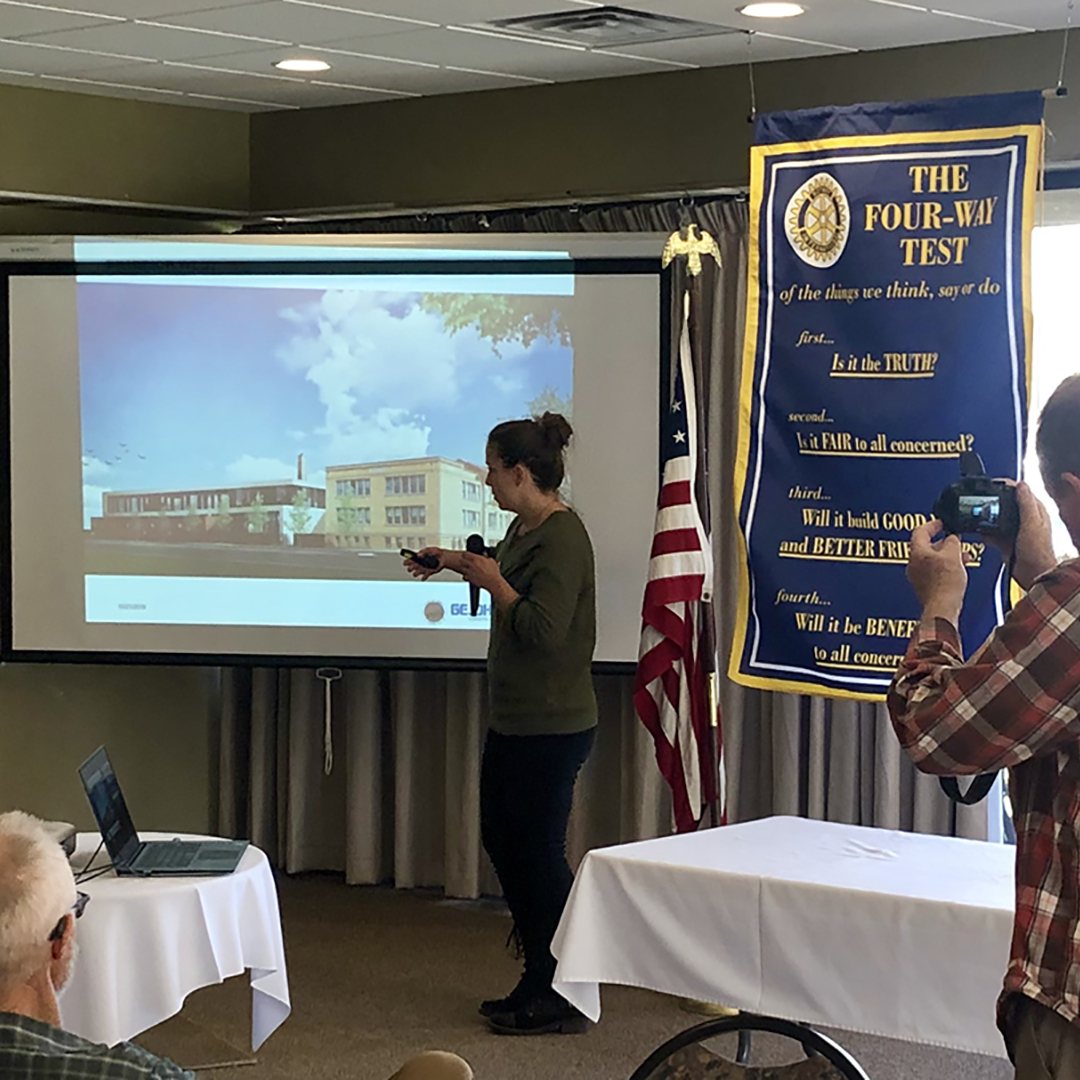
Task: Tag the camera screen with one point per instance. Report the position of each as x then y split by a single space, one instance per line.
980 509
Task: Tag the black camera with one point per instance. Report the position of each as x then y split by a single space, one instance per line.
977 504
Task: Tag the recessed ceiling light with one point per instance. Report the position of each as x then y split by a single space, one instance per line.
302 65
772 10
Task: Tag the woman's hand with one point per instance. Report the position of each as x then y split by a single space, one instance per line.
423 572
483 571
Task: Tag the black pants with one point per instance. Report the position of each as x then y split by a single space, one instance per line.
526 788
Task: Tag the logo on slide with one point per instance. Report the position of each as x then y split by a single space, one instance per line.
434 611
817 220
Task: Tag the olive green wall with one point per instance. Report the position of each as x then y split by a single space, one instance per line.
156 722
611 137
58 143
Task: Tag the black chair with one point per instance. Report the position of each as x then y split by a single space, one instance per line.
684 1058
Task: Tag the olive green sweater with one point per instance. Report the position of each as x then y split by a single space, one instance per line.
541 647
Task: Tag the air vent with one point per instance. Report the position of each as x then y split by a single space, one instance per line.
607 27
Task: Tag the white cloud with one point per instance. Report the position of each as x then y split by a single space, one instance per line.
508 384
94 467
258 468
387 435
297 436
378 363
91 500
359 355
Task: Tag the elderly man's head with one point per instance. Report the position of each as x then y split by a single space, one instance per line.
37 901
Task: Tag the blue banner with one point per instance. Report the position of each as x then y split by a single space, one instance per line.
888 330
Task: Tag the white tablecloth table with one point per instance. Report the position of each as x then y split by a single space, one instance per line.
889 933
146 943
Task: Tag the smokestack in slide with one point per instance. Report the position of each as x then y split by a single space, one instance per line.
300 467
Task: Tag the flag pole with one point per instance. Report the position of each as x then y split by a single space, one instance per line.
714 756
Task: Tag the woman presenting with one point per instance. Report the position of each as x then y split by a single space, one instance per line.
542 704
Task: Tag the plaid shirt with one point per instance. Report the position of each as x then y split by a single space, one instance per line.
32 1050
1015 705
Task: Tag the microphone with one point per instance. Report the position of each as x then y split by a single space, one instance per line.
475 544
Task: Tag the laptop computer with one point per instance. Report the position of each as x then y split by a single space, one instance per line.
153 858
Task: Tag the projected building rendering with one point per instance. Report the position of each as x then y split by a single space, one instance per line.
380 506
270 513
413 503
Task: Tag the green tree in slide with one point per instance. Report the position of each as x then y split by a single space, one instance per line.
223 514
299 514
258 515
500 318
549 400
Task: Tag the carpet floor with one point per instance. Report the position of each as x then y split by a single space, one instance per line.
377 975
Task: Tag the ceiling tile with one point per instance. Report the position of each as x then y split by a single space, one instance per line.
314 95
153 9
173 75
17 21
237 85
365 72
727 49
408 58
95 83
23 56
1036 14
500 54
205 101
293 20
445 12
137 39
859 24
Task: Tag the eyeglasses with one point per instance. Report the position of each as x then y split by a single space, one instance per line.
81 900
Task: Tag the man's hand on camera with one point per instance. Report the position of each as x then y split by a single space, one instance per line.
1034 542
936 572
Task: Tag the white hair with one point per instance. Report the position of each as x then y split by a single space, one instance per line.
37 888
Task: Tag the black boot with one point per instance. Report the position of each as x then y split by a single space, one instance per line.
518 996
545 1013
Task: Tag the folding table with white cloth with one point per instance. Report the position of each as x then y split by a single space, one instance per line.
889 933
146 943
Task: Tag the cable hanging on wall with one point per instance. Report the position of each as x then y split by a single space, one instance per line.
750 74
1061 91
329 676
1058 91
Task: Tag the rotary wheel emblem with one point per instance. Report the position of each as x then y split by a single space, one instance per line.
817 221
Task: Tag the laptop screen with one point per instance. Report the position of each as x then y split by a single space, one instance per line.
107 801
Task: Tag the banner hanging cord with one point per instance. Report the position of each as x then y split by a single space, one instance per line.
750 72
1040 187
1065 44
329 676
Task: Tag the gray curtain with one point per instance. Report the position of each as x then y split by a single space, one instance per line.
401 804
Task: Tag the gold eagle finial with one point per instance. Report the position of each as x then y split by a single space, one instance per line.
694 246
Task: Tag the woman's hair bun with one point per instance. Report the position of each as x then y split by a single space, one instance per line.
556 429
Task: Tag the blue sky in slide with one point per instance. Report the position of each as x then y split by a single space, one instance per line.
199 385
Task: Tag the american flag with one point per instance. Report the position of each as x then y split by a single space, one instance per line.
677 653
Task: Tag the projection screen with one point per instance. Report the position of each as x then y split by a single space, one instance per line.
218 447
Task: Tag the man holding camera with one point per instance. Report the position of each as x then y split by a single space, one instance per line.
1016 704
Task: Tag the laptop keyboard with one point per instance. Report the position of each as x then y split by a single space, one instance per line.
167 856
